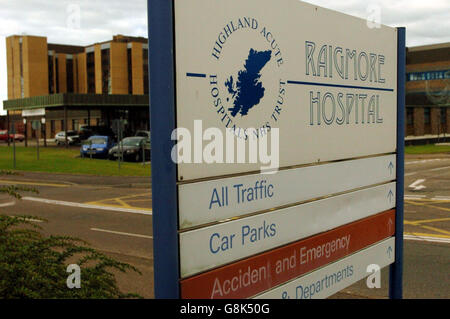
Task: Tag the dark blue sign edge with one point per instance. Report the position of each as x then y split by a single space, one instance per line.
161 51
396 269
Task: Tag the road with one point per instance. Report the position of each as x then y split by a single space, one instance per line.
114 215
427 232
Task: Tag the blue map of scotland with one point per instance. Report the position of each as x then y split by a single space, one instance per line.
248 90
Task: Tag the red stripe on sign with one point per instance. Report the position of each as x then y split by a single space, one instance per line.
256 274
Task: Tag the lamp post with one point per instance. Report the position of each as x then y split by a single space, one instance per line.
25 131
45 131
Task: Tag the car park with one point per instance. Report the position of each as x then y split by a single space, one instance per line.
96 146
72 138
132 149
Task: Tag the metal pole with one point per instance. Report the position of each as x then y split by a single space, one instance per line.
164 170
9 126
65 126
37 140
14 145
26 133
90 149
143 152
120 146
396 269
45 133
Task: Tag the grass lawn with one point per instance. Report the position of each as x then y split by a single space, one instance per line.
62 160
427 149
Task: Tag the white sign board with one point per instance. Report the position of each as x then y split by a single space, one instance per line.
33 112
213 246
215 200
248 67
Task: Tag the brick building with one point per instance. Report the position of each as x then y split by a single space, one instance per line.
71 85
428 90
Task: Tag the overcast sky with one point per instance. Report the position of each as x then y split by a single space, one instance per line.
84 22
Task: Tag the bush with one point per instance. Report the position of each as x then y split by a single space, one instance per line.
35 266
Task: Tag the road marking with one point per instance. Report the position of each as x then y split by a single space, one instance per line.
414 196
7 204
80 205
423 161
122 201
435 229
439 168
427 237
32 183
417 222
441 198
28 219
416 185
121 233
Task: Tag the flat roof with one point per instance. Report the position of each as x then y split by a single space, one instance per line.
429 47
75 99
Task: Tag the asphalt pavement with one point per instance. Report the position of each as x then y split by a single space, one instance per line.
114 215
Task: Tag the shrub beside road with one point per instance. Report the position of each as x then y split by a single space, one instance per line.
67 161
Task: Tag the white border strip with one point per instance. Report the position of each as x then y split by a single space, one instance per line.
287 187
7 204
427 238
121 233
88 206
333 278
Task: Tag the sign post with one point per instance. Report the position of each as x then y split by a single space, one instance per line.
396 269
164 170
277 154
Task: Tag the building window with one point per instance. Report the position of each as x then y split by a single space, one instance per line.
69 75
63 128
90 65
75 124
410 116
22 84
52 127
51 83
106 76
145 59
57 74
427 115
443 115
130 72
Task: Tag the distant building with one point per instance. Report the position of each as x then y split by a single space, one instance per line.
428 90
76 85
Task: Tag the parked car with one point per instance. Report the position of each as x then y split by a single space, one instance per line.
132 149
143 134
147 135
96 146
4 136
72 138
87 131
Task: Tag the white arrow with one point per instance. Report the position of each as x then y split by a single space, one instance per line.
390 223
416 185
